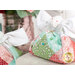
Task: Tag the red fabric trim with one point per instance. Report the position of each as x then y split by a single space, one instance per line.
2 62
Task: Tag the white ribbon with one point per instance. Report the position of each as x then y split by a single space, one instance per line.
15 38
67 27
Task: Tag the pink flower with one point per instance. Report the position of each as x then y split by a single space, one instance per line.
30 11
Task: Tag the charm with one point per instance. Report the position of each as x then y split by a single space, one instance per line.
43 43
67 57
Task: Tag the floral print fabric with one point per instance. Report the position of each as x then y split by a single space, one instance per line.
49 45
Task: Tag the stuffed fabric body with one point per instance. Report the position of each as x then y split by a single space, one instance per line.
50 46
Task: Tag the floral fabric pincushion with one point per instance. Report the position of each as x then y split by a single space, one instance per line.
49 45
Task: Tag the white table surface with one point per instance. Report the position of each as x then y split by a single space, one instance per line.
29 59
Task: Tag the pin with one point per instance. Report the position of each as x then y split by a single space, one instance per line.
43 43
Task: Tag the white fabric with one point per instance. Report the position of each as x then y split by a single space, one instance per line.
43 20
56 20
14 38
69 13
67 27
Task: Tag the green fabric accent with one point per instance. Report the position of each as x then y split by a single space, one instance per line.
0 27
42 50
13 62
54 41
16 53
40 36
23 13
35 13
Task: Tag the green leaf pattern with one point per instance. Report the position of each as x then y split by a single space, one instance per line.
46 45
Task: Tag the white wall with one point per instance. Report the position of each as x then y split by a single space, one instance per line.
69 13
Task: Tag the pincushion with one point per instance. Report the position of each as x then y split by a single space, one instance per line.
50 46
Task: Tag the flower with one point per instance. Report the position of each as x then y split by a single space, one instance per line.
30 11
